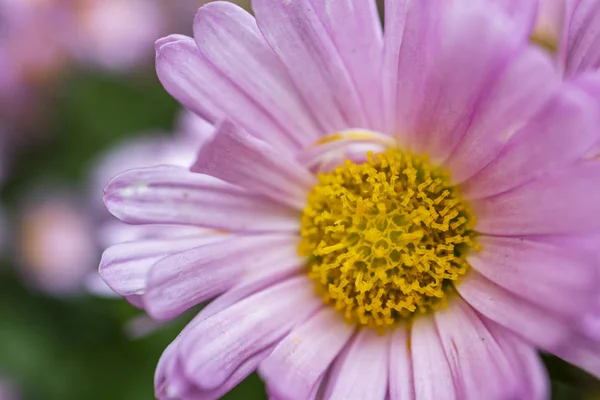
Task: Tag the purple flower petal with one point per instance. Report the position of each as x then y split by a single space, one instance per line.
169 195
563 202
188 278
296 34
261 75
240 159
549 276
524 360
538 326
355 30
300 360
401 382
522 12
410 29
216 346
543 145
471 48
583 46
124 266
430 363
522 88
198 85
480 368
361 372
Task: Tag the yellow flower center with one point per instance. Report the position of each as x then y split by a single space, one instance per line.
386 239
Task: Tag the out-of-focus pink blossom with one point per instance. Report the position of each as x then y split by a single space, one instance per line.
55 243
61 234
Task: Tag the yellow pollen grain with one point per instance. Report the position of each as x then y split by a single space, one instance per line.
387 239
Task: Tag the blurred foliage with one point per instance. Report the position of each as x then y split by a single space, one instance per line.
76 349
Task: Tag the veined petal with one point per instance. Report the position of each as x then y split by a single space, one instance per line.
401 382
582 352
562 202
216 346
583 45
430 363
252 66
551 277
124 267
410 30
361 371
197 84
524 359
301 41
520 91
474 44
301 359
170 195
479 366
562 132
240 159
538 326
188 278
356 32
171 383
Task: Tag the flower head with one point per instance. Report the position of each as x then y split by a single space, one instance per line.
399 215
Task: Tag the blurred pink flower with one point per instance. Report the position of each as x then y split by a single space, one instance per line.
55 245
61 234
408 215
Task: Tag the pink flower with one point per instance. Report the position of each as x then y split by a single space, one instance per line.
406 216
569 29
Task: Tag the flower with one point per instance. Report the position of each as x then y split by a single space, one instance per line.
569 29
408 215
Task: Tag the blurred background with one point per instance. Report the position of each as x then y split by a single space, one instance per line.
80 102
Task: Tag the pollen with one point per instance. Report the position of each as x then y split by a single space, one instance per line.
387 239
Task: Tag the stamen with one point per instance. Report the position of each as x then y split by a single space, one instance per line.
386 239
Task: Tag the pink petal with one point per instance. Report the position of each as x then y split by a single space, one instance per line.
519 92
172 384
431 371
401 374
252 66
582 352
216 346
169 195
522 12
473 47
199 86
355 30
479 366
525 361
583 48
297 35
188 278
544 144
562 202
536 325
240 159
361 372
552 277
346 145
300 360
124 267
410 30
